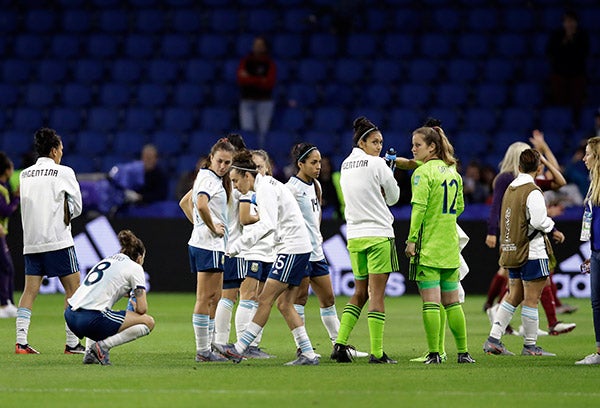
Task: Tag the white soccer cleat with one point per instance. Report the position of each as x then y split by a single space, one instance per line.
588 360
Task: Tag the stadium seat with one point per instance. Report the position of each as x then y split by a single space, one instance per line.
103 119
518 20
556 119
199 71
178 119
10 95
303 95
527 94
511 46
287 45
398 45
361 45
404 120
114 94
491 95
27 119
138 46
213 46
296 19
152 95
129 143
327 143
16 143
449 117
376 115
126 70
40 20
186 21
447 19
377 95
349 70
168 143
385 71
451 95
39 95
278 144
113 20
329 119
51 71
76 95
482 19
480 119
92 143
469 145
8 21
65 120
201 141
499 70
189 95
423 71
462 70
65 46
225 94
517 119
76 20
224 20
175 46
338 94
243 43
102 46
215 119
290 119
151 20
414 95
322 45
311 70
436 45
80 164
140 119
472 46
377 19
29 46
89 71
261 20
16 71
406 19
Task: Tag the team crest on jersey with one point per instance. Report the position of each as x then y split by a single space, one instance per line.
416 180
254 266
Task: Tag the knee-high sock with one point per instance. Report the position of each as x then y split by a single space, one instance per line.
247 337
223 320
127 335
303 341
243 315
529 317
300 311
502 319
330 321
496 286
376 321
71 339
458 326
547 300
443 319
201 332
22 324
349 318
431 322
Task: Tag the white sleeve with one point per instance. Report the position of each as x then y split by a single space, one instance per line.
73 192
538 217
388 183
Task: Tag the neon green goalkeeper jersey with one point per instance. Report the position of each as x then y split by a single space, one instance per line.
437 200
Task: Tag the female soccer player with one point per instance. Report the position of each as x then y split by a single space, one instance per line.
89 312
50 198
280 216
432 244
369 187
206 207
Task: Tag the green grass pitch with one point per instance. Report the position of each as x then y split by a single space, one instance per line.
159 370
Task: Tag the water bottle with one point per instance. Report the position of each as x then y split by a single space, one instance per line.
131 302
390 158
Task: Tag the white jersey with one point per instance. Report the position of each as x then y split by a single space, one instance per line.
208 183
362 178
279 215
263 250
107 282
310 207
45 187
234 228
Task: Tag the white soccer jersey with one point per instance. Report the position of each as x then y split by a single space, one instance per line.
362 178
44 188
279 214
208 183
107 282
306 196
234 228
263 250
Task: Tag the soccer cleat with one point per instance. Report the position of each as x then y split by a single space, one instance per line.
257 353
443 357
496 348
384 359
78 349
560 328
354 353
341 354
7 312
540 332
101 354
89 357
303 360
25 349
535 351
210 356
465 358
564 308
229 351
591 359
433 358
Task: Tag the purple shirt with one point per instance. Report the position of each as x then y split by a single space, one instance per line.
500 185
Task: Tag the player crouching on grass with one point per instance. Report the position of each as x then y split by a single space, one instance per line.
89 312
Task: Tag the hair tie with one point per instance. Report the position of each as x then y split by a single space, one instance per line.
306 153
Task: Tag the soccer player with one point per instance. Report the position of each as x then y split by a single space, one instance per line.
206 207
280 216
369 187
50 198
432 245
89 312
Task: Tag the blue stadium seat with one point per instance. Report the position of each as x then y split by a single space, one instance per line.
499 70
65 120
326 142
186 162
113 20
39 95
462 70
27 119
482 19
538 44
199 71
349 70
40 20
304 95
491 95
189 95
224 20
76 95
440 45
10 95
17 142
114 94
287 45
186 21
290 119
278 144
65 46
175 46
80 164
151 20
126 70
218 120
311 70
448 19
213 46
527 94
503 139
361 45
163 71
225 94
103 119
449 95
261 20
398 45
406 19
414 95
151 95
29 46
338 94
517 119
140 119
329 119
76 20
51 71
129 143
89 71
374 114
139 46
449 117
469 144
102 46
556 119
377 19
480 119
243 43
8 21
385 71
296 19
403 120
201 141
535 68
92 143
472 46
519 20
511 46
168 143
423 70
551 17
178 119
16 71
377 95
322 45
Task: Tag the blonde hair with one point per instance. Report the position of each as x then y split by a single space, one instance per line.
510 161
265 156
594 191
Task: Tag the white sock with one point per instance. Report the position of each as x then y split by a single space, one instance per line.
243 315
200 323
300 310
72 340
223 320
89 343
211 329
502 319
529 317
23 322
303 342
247 337
330 321
258 338
127 335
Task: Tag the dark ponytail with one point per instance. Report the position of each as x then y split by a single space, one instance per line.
131 245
